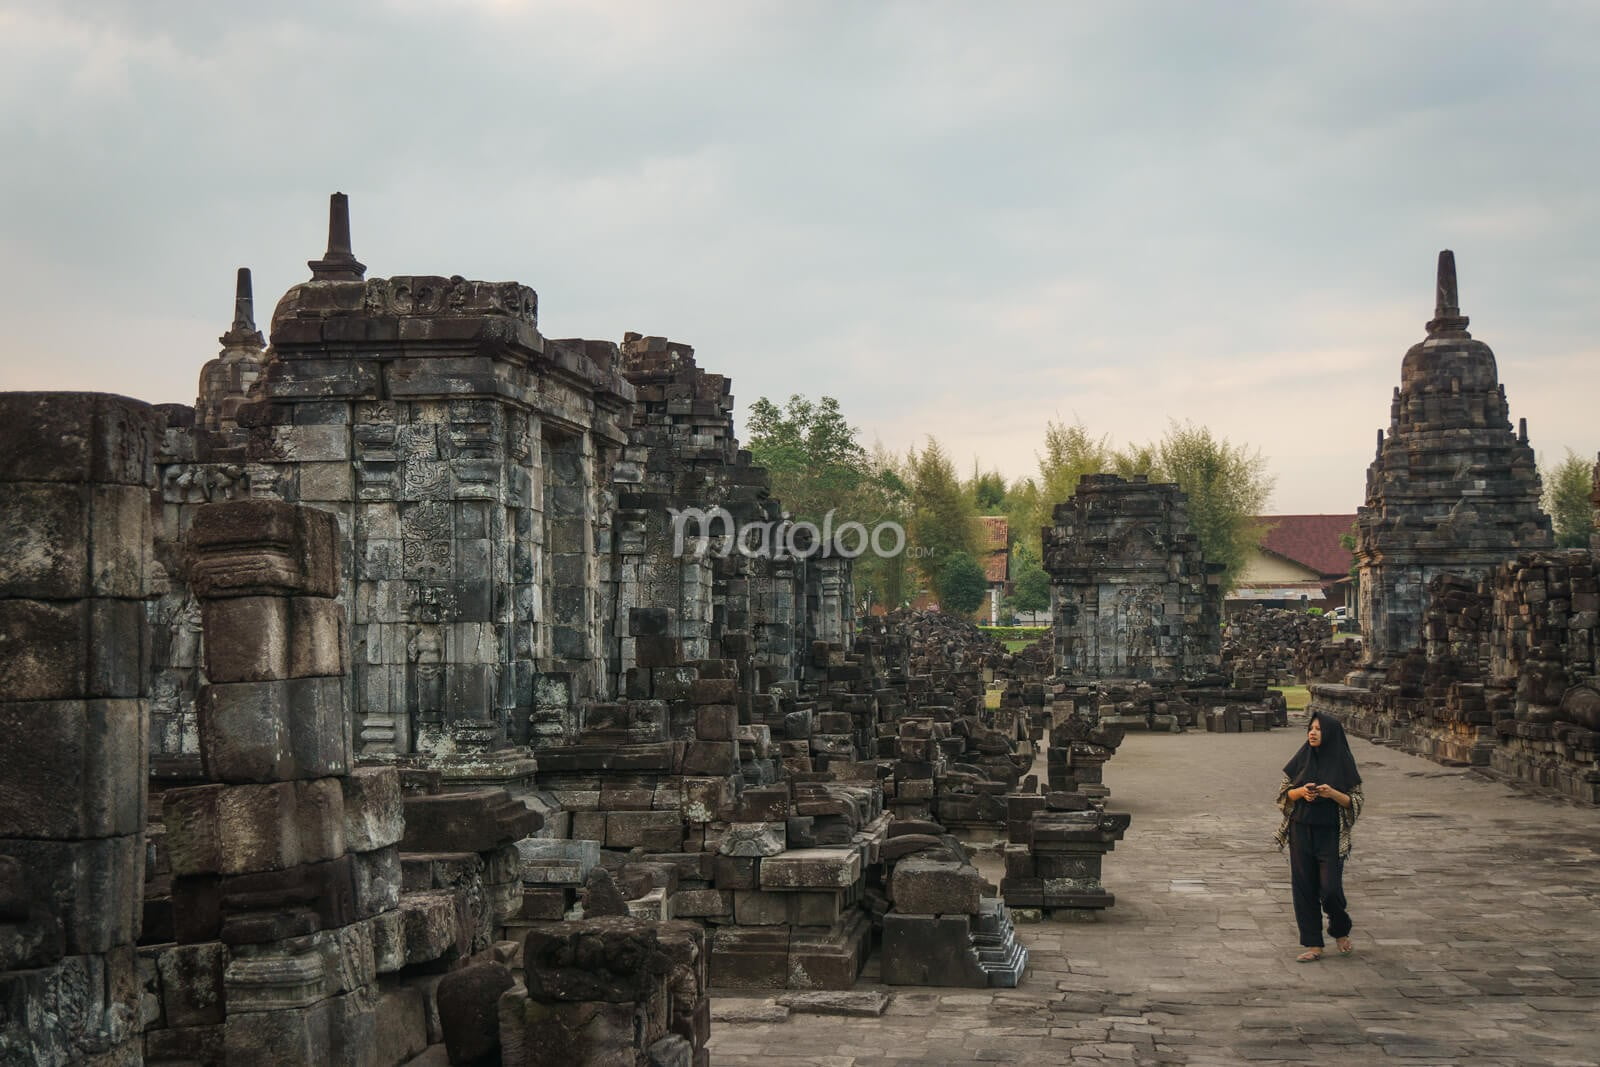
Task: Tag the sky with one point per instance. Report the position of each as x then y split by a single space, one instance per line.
961 220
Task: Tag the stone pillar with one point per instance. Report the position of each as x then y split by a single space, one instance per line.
75 484
286 869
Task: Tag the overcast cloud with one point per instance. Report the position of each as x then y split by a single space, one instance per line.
958 219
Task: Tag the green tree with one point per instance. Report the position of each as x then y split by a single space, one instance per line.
1030 585
962 585
1567 486
1227 486
885 497
811 452
1070 452
817 464
988 492
944 520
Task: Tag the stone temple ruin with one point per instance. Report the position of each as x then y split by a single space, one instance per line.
1480 638
374 711
372 707
1138 613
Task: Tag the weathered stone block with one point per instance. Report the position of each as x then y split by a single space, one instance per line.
274 731
247 638
93 888
191 983
716 722
76 437
469 1011
617 960
935 887
557 862
710 758
73 650
89 780
737 872
765 804
659 831
752 907
478 820
707 799
812 868
378 879
749 957
65 542
256 547
239 829
437 926
703 903
753 839
374 815
533 1033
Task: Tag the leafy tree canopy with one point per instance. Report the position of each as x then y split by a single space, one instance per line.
1030 583
944 518
1567 485
962 585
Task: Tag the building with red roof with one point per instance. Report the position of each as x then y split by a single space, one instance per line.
1300 563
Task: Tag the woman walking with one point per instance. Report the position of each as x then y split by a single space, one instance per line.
1320 797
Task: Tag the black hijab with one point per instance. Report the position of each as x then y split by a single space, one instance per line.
1330 763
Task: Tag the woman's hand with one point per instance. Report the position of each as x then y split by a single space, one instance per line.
1307 792
1328 791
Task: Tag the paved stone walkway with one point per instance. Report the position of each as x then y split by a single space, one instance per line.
1477 935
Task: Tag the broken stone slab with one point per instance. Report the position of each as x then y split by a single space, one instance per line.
862 1004
753 839
477 820
811 868
469 1011
747 1010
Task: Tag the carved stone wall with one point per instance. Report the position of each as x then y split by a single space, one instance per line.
1131 594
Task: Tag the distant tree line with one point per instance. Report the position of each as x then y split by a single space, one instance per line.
818 463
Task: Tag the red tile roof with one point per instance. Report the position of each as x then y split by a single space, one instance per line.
1310 540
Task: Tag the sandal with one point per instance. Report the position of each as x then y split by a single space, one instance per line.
1345 947
1309 956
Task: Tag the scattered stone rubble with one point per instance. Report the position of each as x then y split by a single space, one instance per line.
1264 646
1057 839
439 724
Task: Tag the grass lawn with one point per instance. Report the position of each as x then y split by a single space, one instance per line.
1296 696
1016 646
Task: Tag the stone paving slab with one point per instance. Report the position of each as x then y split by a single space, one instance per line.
1477 912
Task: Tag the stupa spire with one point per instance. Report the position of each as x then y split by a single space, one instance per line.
1447 319
243 332
339 263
